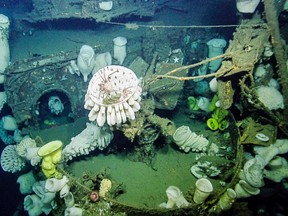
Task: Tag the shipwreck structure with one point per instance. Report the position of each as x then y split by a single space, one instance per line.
30 83
98 10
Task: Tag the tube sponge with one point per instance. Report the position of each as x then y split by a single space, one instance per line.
26 182
192 103
175 198
278 169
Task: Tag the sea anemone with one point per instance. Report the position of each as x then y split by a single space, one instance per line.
94 196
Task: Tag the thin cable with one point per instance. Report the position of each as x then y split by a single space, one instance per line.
136 26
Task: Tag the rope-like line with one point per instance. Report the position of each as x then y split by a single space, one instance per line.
136 26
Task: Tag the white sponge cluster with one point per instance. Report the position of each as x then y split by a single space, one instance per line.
270 97
113 95
27 149
25 143
10 160
91 138
188 140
